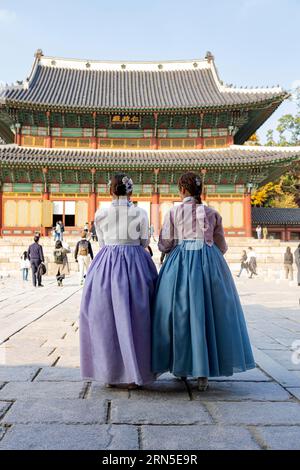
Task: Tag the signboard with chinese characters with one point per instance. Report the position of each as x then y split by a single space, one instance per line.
125 120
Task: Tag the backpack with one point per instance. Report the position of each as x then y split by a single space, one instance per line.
83 248
59 256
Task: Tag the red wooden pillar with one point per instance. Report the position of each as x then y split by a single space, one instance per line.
199 142
92 198
1 211
287 234
155 212
18 138
247 215
49 136
92 206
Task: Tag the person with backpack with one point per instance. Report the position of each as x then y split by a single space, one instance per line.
61 260
288 264
83 255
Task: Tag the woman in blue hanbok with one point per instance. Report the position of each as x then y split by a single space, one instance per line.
198 326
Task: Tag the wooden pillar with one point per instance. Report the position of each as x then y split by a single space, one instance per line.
94 140
287 234
1 211
230 140
199 142
247 215
155 213
49 136
92 197
92 206
154 143
45 197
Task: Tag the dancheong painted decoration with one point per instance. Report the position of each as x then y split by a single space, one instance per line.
72 123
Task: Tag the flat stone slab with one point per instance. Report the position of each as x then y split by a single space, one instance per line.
276 370
209 437
255 413
4 405
252 375
283 357
279 437
158 412
38 390
70 437
98 391
59 374
295 391
17 373
57 411
238 391
2 432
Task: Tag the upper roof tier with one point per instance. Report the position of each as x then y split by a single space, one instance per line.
94 85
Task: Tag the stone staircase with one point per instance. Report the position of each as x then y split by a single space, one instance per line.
269 252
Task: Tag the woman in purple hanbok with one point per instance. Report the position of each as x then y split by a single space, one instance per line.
115 329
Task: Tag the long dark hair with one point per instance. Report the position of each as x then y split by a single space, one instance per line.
25 255
58 244
192 183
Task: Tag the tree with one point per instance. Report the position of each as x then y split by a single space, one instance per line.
285 192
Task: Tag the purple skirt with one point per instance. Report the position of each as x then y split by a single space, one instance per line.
115 323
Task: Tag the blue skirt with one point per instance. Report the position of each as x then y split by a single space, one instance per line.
198 325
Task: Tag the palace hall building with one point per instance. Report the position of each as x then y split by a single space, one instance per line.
73 123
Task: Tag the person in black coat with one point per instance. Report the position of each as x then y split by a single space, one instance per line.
36 257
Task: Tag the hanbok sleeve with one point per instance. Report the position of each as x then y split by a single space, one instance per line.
144 229
167 234
100 214
219 236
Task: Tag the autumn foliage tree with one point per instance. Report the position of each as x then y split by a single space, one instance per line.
286 191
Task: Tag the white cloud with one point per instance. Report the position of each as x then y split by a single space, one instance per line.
7 16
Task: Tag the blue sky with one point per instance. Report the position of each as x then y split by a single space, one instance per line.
255 42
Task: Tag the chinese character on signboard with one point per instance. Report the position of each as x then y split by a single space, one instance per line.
125 119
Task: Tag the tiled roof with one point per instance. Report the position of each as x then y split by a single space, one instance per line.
231 157
275 216
109 85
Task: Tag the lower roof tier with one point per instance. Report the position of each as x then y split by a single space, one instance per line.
233 157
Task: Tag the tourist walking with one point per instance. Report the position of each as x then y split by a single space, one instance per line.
25 265
62 230
198 328
265 232
252 262
258 232
83 256
93 232
288 264
86 228
115 330
57 231
244 264
297 261
61 261
36 258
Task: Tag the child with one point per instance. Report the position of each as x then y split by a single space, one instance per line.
198 323
115 332
25 265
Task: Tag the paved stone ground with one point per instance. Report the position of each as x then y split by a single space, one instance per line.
45 405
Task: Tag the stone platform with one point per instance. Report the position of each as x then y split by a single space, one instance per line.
45 405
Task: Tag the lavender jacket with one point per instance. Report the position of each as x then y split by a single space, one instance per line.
190 221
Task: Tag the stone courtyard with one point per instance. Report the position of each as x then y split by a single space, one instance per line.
45 405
